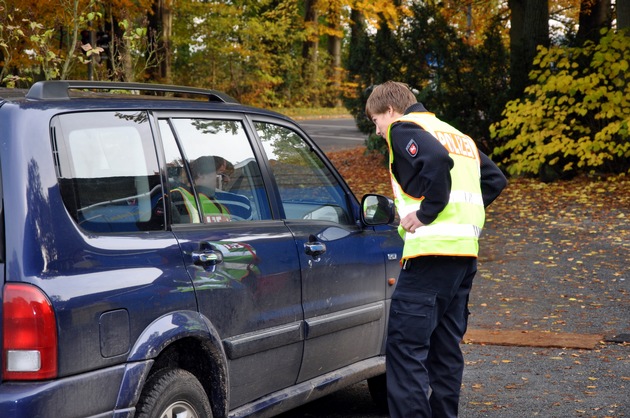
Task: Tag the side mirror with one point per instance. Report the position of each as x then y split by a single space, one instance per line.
377 210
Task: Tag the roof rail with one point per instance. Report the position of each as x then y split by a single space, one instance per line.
59 89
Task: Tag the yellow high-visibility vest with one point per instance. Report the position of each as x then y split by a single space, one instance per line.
457 228
212 210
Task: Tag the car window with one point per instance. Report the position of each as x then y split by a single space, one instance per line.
107 171
184 208
214 174
308 189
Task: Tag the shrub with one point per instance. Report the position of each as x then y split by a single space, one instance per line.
574 117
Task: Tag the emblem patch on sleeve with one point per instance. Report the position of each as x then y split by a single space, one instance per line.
412 148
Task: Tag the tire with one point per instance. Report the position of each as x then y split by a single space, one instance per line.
378 390
173 393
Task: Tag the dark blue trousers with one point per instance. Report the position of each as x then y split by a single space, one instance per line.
428 319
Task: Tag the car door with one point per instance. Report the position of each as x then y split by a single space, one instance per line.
243 264
343 264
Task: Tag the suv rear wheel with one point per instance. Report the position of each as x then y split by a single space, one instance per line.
173 393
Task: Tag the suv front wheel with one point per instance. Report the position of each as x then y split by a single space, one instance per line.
173 393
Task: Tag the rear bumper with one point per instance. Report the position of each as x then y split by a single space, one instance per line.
93 394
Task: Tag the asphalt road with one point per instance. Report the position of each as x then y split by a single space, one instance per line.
514 382
333 134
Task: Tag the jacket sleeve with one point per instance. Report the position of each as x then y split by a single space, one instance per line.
493 181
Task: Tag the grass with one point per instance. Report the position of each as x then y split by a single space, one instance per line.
314 113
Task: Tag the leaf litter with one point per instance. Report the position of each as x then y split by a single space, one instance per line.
554 258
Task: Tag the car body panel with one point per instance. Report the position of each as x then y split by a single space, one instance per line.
257 286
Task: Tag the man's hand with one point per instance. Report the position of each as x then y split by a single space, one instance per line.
411 222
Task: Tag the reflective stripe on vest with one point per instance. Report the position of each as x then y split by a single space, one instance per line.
457 228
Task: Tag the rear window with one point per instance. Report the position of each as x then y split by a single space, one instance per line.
108 171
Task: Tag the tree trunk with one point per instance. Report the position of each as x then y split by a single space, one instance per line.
167 31
529 27
159 32
623 14
74 13
518 66
334 51
310 46
358 51
536 30
594 16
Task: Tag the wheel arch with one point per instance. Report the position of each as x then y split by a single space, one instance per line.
185 340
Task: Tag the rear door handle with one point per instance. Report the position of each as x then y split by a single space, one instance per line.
314 249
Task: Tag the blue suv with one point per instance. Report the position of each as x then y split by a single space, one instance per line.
171 252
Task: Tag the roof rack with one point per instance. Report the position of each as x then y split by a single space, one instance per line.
59 89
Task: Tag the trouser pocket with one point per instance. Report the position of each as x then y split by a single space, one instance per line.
411 319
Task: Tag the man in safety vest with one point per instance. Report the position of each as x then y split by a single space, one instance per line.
206 173
442 184
205 176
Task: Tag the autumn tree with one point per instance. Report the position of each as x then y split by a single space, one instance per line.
41 41
573 119
458 73
323 51
62 39
31 46
249 49
372 57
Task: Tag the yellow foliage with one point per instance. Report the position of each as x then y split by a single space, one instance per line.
575 115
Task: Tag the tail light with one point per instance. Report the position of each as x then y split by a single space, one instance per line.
29 340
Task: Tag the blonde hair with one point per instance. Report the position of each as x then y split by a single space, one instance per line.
391 93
